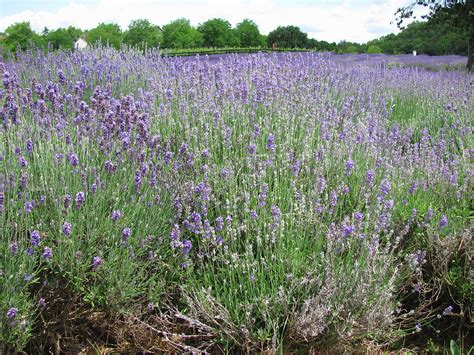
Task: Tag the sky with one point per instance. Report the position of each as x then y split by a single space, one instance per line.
329 20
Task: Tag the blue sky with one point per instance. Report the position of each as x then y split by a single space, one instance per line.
330 20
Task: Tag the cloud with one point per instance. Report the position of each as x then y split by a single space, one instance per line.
357 21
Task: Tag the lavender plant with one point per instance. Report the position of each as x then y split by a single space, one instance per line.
275 198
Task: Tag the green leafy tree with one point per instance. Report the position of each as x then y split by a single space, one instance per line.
141 33
287 37
345 47
218 33
180 34
374 49
106 33
312 43
75 32
62 37
249 34
20 36
461 11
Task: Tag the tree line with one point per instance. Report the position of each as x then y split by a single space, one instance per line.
441 34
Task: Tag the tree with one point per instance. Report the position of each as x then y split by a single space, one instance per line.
141 33
345 47
374 49
106 33
287 37
19 36
249 34
62 37
462 12
218 33
180 34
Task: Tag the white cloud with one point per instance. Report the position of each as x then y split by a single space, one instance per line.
343 21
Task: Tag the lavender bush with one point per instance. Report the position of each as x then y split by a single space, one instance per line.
272 198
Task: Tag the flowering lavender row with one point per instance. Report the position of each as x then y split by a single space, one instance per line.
128 173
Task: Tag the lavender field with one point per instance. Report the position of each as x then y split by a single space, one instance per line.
246 202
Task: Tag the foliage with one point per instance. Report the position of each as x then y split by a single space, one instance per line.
142 33
107 34
20 36
271 200
62 37
180 34
218 33
460 12
345 47
374 49
249 34
287 37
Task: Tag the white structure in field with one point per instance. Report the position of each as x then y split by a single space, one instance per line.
80 44
414 53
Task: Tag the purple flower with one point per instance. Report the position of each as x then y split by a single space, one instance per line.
263 194
126 232
219 223
348 230
252 149
183 148
389 204
370 177
349 166
29 146
96 262
67 228
271 142
413 188
334 198
79 199
205 153
47 253
276 213
253 215
429 214
109 167
296 167
42 302
224 173
443 222
29 205
35 237
14 248
22 161
385 186
256 131
67 201
418 328
207 229
175 233
168 157
149 307
12 313
448 310
322 184
116 214
358 216
138 178
187 245
73 159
